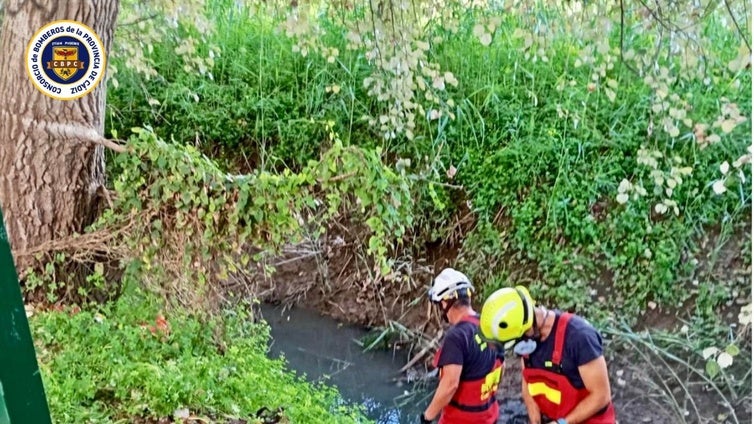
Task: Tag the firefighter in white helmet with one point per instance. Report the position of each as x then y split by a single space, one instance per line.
470 368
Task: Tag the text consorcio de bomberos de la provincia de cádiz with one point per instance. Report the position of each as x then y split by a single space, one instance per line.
65 59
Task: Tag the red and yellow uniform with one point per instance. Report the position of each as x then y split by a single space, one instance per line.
551 371
474 401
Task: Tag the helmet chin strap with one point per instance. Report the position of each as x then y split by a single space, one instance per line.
445 310
526 345
538 327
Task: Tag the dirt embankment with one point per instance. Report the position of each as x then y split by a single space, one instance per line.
333 276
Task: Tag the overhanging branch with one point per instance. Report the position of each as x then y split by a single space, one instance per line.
73 131
111 144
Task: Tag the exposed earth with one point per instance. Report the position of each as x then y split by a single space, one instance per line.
333 278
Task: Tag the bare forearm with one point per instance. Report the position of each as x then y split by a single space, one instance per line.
531 407
442 397
588 407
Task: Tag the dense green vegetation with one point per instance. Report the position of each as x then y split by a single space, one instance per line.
604 166
124 360
539 149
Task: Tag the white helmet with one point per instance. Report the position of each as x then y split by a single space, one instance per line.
450 284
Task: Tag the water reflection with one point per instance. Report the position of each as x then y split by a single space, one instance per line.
323 350
382 414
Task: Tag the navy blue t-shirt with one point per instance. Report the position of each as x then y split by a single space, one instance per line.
461 347
582 344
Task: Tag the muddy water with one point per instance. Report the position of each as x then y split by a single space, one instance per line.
322 350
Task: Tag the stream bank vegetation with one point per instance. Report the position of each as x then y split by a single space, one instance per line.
338 154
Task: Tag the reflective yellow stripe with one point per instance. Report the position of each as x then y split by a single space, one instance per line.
536 389
491 382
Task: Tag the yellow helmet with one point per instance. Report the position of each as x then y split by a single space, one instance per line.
507 314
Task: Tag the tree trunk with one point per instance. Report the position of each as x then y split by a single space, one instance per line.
51 171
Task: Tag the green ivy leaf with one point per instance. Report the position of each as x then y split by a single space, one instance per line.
374 244
732 350
712 368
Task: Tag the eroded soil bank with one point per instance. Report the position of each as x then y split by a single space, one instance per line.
333 279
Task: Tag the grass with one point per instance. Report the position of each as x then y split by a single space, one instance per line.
109 365
671 373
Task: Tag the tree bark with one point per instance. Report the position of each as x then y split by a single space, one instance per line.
50 169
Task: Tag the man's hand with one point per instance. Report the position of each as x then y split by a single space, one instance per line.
449 381
423 420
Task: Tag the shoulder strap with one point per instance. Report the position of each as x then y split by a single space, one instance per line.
557 353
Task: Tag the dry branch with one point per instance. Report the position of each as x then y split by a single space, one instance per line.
421 354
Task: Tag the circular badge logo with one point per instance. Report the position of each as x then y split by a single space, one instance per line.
65 60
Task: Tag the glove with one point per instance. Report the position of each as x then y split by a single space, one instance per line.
423 420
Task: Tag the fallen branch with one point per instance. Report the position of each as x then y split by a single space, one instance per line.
421 354
98 241
337 177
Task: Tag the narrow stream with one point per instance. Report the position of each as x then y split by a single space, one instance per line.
321 349
324 350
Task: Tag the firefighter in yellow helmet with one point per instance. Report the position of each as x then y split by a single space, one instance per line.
565 379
